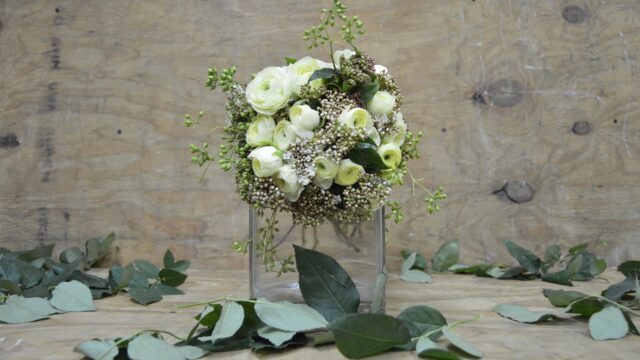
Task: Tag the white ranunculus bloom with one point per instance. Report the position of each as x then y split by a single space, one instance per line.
348 173
390 154
271 89
356 117
374 135
304 68
326 171
382 103
284 135
380 69
347 53
399 133
260 132
287 181
265 161
303 117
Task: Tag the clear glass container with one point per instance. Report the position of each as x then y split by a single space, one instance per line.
357 247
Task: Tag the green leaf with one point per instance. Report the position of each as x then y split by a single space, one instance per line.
171 277
289 60
608 324
408 262
325 285
147 268
526 258
190 352
210 315
562 298
425 318
37 253
29 276
119 277
459 343
289 317
615 292
18 309
551 255
584 266
91 281
362 335
144 296
8 286
147 347
420 262
377 300
275 336
586 307
578 248
630 268
429 349
367 156
632 327
72 296
324 73
446 256
98 349
416 276
181 265
523 315
71 254
167 290
478 269
168 259
321 338
561 277
368 91
230 321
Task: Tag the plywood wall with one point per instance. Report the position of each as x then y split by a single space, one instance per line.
530 108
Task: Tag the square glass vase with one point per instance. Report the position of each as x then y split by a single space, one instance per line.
357 247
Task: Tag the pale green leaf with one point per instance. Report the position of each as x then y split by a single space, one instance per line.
18 309
190 352
416 276
98 349
72 296
608 324
275 336
407 264
377 302
230 321
521 314
289 317
147 347
429 349
459 343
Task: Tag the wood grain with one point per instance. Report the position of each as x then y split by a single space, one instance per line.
92 94
458 297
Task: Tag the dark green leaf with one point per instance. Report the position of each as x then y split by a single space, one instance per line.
562 298
147 268
29 276
367 156
551 255
526 258
167 290
632 327
428 349
119 277
584 266
325 285
368 91
100 293
425 318
91 281
523 315
258 343
420 263
362 335
144 296
446 256
561 277
9 287
516 272
168 259
289 60
171 277
10 270
71 254
37 253
210 315
324 73
586 307
629 268
578 248
478 269
615 292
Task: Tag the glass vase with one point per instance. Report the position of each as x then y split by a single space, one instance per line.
357 247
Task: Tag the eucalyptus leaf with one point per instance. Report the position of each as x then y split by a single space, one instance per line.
551 255
325 285
420 262
147 268
632 327
10 287
147 347
615 292
18 309
416 276
230 321
144 296
562 298
561 277
181 265
429 349
190 352
72 296
320 338
377 299
324 73
289 317
408 262
368 91
71 254
36 253
425 318
168 259
91 281
523 315
460 344
166 289
446 256
210 315
585 307
98 349
526 258
362 335
608 324
275 336
578 248
630 268
172 277
29 276
366 155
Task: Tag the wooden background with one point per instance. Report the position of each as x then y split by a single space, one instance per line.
540 96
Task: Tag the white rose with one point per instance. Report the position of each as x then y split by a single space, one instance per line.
304 117
347 53
271 89
380 69
284 135
304 68
356 117
260 132
391 155
287 181
265 161
374 135
382 103
348 173
326 171
399 133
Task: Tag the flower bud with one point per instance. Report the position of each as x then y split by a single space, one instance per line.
382 103
326 170
356 117
390 154
399 132
284 135
348 173
260 132
287 180
265 161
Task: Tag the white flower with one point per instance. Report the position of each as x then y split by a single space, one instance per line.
304 119
380 69
399 133
304 68
382 103
356 117
265 161
326 170
271 89
348 173
260 132
391 155
347 53
284 135
287 181
374 135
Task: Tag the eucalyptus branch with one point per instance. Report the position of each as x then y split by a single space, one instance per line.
455 324
598 297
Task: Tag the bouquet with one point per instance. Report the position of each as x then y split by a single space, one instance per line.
316 138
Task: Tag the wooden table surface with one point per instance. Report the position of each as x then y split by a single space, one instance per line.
457 296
